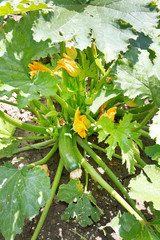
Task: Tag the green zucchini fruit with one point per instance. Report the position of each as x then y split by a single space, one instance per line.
66 150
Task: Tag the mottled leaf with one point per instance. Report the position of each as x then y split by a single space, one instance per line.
144 190
22 193
104 22
21 6
122 135
82 205
21 49
154 128
142 78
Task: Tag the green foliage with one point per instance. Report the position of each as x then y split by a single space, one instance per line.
144 74
7 144
22 193
122 135
6 129
147 189
8 147
102 18
22 6
153 152
154 128
129 228
126 38
155 218
21 49
104 96
5 89
82 205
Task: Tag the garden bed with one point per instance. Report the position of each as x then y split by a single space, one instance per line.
54 228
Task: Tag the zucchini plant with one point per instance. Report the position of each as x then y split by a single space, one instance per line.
101 80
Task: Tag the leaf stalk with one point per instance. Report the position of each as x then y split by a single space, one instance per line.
49 202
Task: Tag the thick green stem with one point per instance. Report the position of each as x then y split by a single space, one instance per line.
103 79
86 174
140 161
147 118
69 109
22 125
41 145
50 104
46 158
105 185
40 106
49 202
103 150
141 109
100 162
146 128
144 133
136 116
32 138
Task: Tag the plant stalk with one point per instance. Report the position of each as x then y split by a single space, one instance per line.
103 150
142 109
46 158
49 202
147 118
103 79
31 138
100 162
22 125
105 185
40 145
69 109
144 133
37 146
140 161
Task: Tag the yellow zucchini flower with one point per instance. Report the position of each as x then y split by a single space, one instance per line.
71 52
38 67
111 112
69 65
131 103
81 124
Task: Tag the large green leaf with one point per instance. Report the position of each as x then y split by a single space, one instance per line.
153 152
82 205
103 96
7 144
122 135
143 78
129 228
6 129
21 49
144 190
8 147
5 89
103 22
21 6
22 193
154 128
